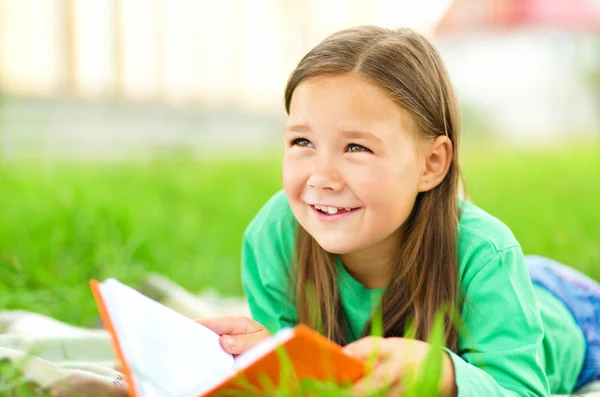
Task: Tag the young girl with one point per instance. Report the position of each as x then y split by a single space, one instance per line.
370 211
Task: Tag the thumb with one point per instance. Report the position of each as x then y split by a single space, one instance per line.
231 325
369 347
238 344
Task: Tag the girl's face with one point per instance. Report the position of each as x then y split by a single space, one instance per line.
351 168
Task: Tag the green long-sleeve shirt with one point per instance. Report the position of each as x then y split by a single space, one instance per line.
520 339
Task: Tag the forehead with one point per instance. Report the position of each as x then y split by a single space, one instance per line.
346 101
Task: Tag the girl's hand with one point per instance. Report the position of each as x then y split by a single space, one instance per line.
394 357
238 334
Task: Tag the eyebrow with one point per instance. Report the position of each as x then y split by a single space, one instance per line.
357 134
298 128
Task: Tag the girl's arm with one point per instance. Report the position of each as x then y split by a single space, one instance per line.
266 262
265 280
500 345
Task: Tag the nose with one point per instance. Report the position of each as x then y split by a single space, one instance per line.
324 175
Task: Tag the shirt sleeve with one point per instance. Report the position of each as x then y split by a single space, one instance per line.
501 338
266 263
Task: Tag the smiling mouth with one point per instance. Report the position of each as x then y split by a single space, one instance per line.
328 210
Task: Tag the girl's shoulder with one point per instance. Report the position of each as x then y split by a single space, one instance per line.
274 220
481 238
477 226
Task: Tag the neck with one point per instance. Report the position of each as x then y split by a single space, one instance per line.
373 267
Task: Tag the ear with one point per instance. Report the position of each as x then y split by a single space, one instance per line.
438 157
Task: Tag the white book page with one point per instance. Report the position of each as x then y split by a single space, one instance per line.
168 353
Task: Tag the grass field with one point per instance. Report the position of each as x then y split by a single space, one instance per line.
62 224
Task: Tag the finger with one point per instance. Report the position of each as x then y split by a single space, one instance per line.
231 325
396 390
368 347
238 344
385 377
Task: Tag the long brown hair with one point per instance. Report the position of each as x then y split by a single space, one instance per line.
410 70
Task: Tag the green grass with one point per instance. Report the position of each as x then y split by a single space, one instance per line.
62 224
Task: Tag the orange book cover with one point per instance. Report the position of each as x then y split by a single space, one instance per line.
302 351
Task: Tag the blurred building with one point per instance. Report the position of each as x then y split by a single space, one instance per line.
115 78
198 52
527 69
97 78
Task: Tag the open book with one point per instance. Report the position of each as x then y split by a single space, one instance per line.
163 353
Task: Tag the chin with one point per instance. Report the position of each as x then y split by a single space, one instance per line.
335 247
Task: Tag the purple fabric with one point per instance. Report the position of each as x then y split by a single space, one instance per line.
581 295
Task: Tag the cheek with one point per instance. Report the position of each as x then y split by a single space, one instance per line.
292 176
389 192
377 181
287 168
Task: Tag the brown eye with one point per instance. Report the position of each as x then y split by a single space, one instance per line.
302 142
354 148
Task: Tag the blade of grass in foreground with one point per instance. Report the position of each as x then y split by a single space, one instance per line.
425 380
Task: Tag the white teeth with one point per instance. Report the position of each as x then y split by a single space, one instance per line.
330 210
